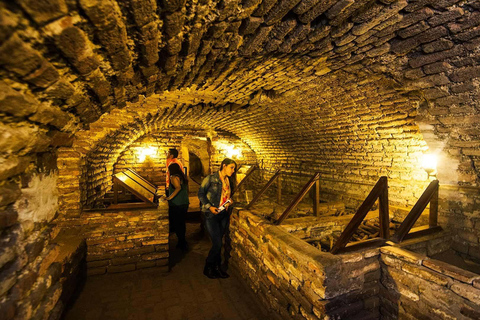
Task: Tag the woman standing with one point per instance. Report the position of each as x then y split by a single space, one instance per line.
215 195
178 203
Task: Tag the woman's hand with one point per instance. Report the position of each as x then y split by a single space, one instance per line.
213 210
229 203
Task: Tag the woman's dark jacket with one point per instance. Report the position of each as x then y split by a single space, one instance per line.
210 191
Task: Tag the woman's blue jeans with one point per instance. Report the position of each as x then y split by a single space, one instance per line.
216 226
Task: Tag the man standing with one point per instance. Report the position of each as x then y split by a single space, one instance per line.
171 158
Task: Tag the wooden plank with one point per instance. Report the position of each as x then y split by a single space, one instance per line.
247 175
115 191
416 212
133 187
279 189
369 243
142 178
265 187
384 217
316 200
359 215
422 231
298 198
141 181
433 216
134 205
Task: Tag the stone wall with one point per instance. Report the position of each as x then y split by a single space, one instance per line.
355 89
415 286
464 227
39 275
126 240
294 280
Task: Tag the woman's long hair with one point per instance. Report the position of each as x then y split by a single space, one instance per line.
233 178
175 170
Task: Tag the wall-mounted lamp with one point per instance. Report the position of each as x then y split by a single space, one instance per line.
229 150
429 164
143 153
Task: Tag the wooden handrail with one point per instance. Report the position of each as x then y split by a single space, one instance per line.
380 191
249 172
430 195
265 187
298 198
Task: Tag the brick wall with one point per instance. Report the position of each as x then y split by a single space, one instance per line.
357 90
294 280
414 285
126 240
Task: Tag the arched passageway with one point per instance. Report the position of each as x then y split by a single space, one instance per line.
351 89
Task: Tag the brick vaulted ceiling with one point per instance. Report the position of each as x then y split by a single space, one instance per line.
316 76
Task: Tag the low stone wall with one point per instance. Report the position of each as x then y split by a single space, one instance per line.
417 287
126 240
40 282
297 281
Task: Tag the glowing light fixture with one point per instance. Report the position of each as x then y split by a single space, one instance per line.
143 153
429 164
230 150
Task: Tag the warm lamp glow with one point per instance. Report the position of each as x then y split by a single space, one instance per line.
230 150
429 163
143 153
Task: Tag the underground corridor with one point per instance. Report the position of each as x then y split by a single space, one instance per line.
354 126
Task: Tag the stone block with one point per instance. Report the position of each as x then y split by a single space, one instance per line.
445 17
434 57
318 9
18 57
451 271
264 7
404 255
466 291
16 103
439 45
9 193
43 12
96 271
121 268
437 67
465 74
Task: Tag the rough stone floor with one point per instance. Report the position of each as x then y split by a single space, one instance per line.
183 293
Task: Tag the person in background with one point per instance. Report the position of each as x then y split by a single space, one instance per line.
172 157
178 203
215 196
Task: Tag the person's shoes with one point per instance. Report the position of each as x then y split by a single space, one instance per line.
210 272
222 274
183 246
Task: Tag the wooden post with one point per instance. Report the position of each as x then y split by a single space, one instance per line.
279 189
416 212
432 219
383 212
265 187
316 200
247 175
115 192
298 198
359 215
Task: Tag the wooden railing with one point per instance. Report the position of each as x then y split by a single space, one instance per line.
247 175
264 189
430 195
380 192
300 196
315 179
